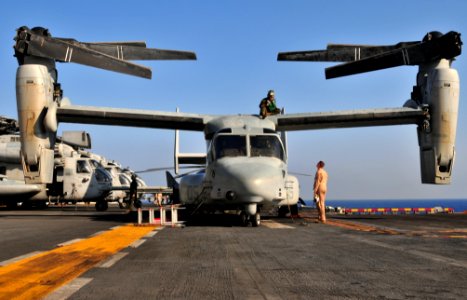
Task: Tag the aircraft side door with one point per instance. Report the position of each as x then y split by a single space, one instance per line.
77 177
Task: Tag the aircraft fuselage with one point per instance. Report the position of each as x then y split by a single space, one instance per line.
246 169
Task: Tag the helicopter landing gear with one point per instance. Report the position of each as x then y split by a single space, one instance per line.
102 205
250 215
243 219
255 220
12 205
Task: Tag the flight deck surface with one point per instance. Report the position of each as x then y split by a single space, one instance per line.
356 257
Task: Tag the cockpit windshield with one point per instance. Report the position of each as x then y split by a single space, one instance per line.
259 146
230 146
266 145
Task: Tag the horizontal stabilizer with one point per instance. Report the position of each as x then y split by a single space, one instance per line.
80 139
192 158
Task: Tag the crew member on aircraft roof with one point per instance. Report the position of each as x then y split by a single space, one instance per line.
268 106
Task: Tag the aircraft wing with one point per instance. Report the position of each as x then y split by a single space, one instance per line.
132 117
349 118
197 122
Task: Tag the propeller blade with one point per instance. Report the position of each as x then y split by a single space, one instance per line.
139 53
340 52
112 56
134 51
447 46
366 58
315 55
122 43
349 52
60 50
170 168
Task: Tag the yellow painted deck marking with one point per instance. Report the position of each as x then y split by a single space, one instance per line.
36 276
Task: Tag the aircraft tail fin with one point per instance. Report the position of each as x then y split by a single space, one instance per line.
195 159
172 183
283 135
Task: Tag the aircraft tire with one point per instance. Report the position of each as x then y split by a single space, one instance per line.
283 211
42 204
12 205
26 205
256 220
244 219
102 205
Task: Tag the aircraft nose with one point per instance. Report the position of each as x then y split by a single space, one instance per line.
251 182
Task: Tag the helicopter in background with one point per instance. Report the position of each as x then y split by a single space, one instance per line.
245 164
79 175
75 178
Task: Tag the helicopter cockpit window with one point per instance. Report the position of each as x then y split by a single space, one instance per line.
124 180
230 146
102 176
266 145
95 163
82 166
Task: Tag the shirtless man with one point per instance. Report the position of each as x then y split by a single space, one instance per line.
320 189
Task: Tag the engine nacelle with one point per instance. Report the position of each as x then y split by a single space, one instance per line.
34 96
437 137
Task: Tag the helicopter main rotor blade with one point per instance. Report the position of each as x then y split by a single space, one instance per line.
170 168
48 47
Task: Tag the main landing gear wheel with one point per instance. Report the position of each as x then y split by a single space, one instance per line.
283 211
102 205
255 220
243 219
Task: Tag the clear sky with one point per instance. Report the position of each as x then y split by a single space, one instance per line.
237 44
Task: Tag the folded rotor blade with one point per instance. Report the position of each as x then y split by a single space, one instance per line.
447 46
48 47
122 43
315 55
134 51
340 52
366 58
140 53
170 168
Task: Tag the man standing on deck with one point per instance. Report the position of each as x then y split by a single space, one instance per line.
320 188
134 192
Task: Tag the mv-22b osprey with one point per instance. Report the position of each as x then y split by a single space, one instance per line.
246 159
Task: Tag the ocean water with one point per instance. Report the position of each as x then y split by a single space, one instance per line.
459 205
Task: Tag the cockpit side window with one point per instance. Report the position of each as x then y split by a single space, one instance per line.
266 145
82 166
229 146
102 176
124 180
95 163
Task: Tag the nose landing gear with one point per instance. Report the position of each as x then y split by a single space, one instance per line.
250 215
255 220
